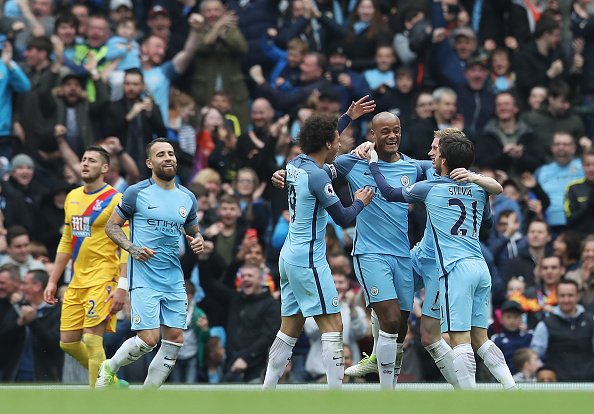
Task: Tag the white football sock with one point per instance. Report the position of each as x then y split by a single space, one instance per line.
495 361
386 357
333 358
162 364
443 356
375 328
129 352
278 358
465 366
398 363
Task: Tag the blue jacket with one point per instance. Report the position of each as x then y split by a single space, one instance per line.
11 80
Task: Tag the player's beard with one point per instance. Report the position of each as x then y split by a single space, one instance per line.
91 178
165 175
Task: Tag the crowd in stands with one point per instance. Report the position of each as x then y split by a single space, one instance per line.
230 83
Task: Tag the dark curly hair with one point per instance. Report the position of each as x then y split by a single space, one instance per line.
316 131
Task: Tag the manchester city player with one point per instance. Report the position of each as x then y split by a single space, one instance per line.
159 211
307 287
456 212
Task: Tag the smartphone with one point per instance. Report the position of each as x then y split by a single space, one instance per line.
251 233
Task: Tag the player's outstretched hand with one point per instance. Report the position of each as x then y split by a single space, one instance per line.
196 243
142 254
278 179
362 149
462 174
49 294
365 195
371 156
360 108
118 298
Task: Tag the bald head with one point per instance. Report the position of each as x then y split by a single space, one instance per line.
383 117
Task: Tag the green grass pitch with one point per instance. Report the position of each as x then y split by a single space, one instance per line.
54 401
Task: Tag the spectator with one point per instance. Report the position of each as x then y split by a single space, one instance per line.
18 251
513 335
224 158
503 241
538 300
582 26
501 77
410 15
221 100
584 274
382 76
159 73
254 318
564 339
579 198
13 80
542 59
12 335
507 143
82 12
312 78
135 119
214 355
66 30
530 251
220 46
210 118
556 176
567 247
366 31
527 361
256 211
538 95
159 23
285 74
51 218
398 100
126 49
26 125
43 321
451 53
546 373
556 116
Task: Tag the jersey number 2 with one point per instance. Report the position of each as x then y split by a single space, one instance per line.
456 229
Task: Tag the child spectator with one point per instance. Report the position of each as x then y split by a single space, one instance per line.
214 353
546 374
286 71
526 359
180 128
537 96
224 158
513 334
399 100
191 357
501 79
127 50
222 101
382 76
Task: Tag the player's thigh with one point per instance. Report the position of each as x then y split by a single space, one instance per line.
97 310
403 280
289 304
456 298
314 289
73 311
425 270
174 309
482 294
376 276
145 307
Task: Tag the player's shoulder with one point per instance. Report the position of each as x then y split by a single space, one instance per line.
185 191
141 185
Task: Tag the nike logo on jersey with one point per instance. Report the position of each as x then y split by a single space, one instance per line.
169 359
367 173
151 207
336 357
434 309
389 363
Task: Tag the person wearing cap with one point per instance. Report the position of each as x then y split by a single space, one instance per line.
564 340
158 73
475 98
119 9
159 21
449 54
350 84
218 59
513 335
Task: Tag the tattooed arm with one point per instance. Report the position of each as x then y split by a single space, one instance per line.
114 231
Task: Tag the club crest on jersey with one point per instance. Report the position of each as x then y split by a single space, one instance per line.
374 291
183 212
404 180
335 302
329 190
98 205
136 319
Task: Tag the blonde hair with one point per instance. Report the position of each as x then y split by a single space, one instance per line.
447 131
207 175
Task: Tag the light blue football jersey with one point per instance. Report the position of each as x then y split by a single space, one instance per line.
427 245
157 217
382 227
456 212
310 192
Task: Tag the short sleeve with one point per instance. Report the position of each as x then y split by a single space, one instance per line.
321 186
127 204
